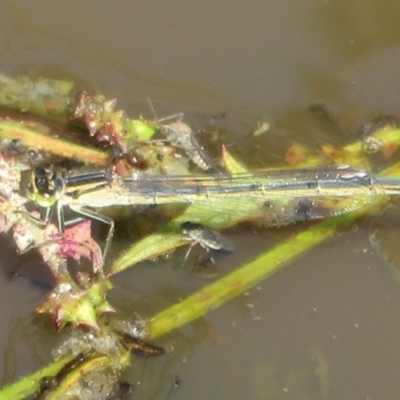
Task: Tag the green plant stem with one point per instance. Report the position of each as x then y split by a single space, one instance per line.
29 384
41 137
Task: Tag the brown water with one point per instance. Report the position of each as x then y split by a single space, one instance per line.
326 326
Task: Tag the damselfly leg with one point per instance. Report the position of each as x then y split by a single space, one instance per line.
94 215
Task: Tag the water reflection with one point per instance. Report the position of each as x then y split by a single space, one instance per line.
359 28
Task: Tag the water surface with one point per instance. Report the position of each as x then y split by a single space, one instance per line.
326 326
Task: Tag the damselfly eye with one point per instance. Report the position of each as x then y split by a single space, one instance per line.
32 154
45 181
15 145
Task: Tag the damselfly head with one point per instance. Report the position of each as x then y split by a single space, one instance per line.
46 187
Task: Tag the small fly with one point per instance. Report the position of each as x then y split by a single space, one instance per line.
181 135
206 238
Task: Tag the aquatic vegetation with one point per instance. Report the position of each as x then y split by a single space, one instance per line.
137 162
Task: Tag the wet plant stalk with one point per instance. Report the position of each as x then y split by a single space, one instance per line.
32 136
29 384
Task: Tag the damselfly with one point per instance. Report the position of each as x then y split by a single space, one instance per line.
274 197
